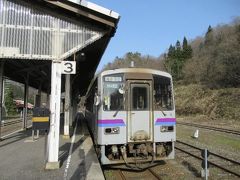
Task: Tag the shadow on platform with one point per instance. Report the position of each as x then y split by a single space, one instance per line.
21 158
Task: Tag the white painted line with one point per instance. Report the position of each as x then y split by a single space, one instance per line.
30 141
12 133
15 132
70 154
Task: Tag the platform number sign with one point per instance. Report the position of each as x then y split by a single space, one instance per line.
68 67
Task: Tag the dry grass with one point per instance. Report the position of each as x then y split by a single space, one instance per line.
222 143
217 104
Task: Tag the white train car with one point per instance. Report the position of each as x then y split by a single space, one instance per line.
131 115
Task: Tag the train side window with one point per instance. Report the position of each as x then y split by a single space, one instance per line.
163 99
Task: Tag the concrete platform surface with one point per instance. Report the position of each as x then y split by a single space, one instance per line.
24 159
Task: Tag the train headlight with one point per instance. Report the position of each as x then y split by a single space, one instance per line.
115 130
166 128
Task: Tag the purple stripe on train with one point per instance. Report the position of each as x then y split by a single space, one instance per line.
166 121
111 122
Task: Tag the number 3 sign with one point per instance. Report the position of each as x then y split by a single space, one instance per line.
68 67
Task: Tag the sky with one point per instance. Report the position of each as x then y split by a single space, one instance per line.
149 27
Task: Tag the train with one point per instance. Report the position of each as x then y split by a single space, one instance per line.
131 115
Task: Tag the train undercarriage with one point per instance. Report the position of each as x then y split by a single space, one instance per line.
135 153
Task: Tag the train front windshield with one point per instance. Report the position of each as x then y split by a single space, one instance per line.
113 98
113 93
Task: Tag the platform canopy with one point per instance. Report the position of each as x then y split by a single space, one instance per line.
34 33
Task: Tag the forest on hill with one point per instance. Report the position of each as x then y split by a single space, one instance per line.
212 60
209 64
15 91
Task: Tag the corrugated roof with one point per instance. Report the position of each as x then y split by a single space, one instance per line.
97 8
40 70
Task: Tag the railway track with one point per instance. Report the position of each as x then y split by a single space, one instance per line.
8 123
12 122
214 160
149 174
211 128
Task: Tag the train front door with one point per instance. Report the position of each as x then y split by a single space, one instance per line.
139 111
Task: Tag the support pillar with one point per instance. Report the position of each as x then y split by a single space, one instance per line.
38 96
67 107
71 114
48 101
25 109
71 105
1 93
74 108
55 101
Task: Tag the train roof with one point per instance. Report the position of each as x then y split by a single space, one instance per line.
127 70
136 70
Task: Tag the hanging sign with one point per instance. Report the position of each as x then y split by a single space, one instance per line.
68 67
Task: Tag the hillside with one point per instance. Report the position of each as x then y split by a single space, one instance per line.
205 71
212 104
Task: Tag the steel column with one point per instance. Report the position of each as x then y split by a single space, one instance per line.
67 106
1 93
38 102
48 101
55 101
25 109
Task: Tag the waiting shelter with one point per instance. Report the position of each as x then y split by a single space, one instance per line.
54 46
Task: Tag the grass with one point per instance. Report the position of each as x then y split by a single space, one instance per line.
214 141
109 174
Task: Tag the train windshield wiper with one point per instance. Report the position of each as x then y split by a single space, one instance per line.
115 114
121 91
163 112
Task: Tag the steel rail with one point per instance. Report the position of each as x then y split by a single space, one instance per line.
211 128
10 123
13 121
154 174
122 175
189 145
210 162
225 158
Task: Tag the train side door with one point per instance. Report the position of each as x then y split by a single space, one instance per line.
139 111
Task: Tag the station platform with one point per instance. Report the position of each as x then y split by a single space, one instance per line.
23 158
